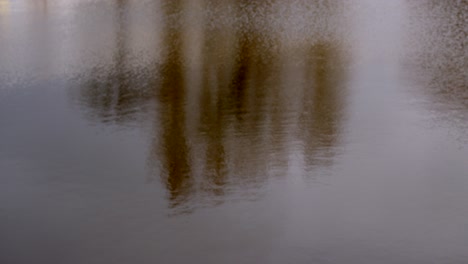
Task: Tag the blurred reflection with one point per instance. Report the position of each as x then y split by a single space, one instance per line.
173 149
322 104
227 122
438 56
116 92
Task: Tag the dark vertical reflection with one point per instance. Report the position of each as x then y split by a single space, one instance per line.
253 69
438 56
229 129
173 149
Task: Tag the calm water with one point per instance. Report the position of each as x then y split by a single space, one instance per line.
203 131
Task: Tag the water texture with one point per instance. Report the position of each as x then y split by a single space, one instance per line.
203 131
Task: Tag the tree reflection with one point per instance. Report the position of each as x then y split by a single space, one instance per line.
172 148
231 128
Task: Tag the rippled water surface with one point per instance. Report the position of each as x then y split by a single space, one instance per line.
203 131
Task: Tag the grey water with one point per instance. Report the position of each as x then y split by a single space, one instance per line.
203 131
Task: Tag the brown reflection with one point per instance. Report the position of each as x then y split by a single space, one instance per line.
322 104
213 120
227 122
438 58
172 148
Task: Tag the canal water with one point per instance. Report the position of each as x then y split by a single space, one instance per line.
205 131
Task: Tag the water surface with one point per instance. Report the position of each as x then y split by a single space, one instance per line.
233 131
